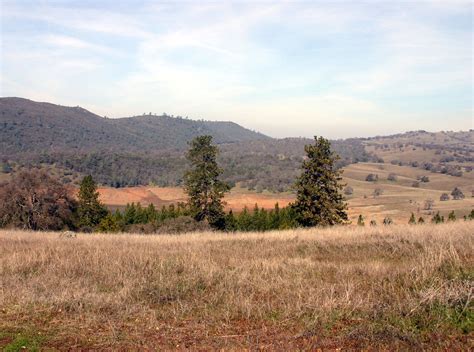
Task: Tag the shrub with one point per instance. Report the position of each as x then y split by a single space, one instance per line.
373 223
457 194
35 201
377 192
437 219
412 220
421 220
360 220
424 179
429 203
348 191
387 221
392 177
372 178
183 224
452 216
444 197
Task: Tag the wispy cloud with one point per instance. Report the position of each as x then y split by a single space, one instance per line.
320 66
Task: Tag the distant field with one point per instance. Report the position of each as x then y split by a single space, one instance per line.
396 287
398 200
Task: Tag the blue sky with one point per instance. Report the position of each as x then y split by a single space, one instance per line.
292 68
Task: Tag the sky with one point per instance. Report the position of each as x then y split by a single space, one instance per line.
287 69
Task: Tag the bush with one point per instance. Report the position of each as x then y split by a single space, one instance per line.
392 177
372 178
35 201
457 194
424 179
348 191
444 197
387 221
377 192
183 224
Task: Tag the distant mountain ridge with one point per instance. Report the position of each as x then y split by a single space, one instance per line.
29 126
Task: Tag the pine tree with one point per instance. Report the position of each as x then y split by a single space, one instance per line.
452 216
202 184
319 200
90 210
412 220
230 222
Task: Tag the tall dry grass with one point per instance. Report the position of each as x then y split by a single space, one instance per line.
395 287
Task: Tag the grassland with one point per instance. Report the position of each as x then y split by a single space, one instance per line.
394 287
398 201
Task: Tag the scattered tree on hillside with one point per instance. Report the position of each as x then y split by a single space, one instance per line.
424 179
457 194
348 191
90 211
360 220
202 184
318 199
373 223
377 192
372 178
421 220
392 177
35 201
444 197
412 220
428 204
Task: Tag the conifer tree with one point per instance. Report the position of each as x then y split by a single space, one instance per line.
202 184
319 200
90 210
452 216
412 220
360 220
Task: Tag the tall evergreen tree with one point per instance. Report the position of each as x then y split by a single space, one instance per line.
319 200
90 210
202 184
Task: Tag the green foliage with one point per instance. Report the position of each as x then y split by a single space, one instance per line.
90 210
437 218
202 184
412 220
318 199
452 216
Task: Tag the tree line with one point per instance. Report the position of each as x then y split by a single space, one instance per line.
33 200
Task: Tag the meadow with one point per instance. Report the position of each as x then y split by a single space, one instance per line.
384 287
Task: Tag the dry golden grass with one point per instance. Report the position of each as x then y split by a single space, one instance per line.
397 287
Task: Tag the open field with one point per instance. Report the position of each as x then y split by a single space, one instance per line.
398 201
394 287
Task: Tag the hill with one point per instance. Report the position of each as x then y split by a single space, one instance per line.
33 127
149 150
141 150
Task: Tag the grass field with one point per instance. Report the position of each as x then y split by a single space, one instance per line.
394 287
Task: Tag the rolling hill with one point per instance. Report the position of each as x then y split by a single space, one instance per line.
33 127
146 150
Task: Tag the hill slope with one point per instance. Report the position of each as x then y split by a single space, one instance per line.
28 126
